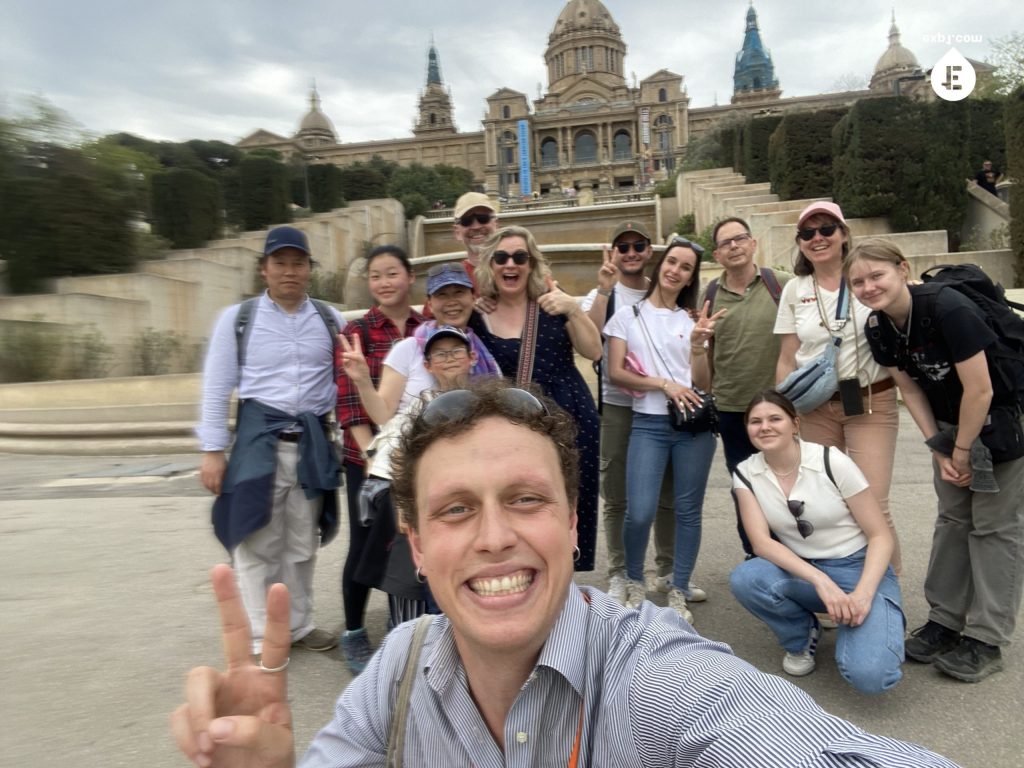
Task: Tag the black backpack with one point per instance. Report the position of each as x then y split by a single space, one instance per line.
1006 356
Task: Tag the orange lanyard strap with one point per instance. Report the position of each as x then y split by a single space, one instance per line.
574 756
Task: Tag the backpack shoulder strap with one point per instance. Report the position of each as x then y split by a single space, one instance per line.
828 468
743 479
329 320
396 736
243 328
709 295
771 282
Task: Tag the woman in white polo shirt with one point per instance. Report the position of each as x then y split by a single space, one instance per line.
821 546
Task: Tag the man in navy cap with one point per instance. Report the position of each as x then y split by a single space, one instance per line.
276 497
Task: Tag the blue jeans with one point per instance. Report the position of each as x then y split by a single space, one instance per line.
653 445
868 656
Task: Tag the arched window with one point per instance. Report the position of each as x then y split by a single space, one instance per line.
433 118
585 148
662 95
549 153
506 113
622 146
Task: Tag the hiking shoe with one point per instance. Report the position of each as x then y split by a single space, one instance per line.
677 602
617 587
636 593
356 648
802 662
930 640
694 594
317 640
971 661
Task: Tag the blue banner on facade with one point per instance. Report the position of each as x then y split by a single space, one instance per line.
525 187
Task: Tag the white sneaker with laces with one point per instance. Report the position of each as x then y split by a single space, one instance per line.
802 662
617 588
694 594
636 593
677 602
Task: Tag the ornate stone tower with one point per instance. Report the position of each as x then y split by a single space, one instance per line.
754 76
896 66
315 130
585 49
436 115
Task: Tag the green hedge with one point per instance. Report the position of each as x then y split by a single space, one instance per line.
908 161
263 192
800 154
988 137
1013 124
756 136
186 207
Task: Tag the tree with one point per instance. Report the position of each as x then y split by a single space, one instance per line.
361 182
1008 58
325 187
186 207
263 191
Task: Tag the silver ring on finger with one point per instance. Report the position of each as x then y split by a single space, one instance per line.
282 668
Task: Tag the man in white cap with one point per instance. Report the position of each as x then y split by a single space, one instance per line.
476 219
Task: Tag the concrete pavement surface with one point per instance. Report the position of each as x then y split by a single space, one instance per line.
106 604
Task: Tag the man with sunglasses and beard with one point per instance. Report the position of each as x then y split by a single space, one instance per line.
621 283
476 219
524 668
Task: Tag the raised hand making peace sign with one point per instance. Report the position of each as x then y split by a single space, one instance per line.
704 329
240 717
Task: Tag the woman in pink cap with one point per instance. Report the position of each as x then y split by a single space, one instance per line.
817 309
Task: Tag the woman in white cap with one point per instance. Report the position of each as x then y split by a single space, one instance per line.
816 310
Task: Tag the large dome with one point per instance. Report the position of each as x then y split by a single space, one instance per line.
579 15
896 57
316 127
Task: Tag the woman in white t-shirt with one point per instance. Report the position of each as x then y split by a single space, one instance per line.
811 314
656 333
821 546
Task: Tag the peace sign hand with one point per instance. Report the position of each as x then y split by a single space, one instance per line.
240 717
608 274
352 359
704 329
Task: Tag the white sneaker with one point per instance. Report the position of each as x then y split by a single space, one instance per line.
694 594
636 593
617 588
677 602
802 662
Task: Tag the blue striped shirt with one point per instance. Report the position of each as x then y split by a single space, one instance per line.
289 365
655 694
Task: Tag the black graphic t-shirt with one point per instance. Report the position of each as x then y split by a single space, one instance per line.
932 346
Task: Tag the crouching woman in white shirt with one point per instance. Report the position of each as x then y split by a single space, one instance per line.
822 546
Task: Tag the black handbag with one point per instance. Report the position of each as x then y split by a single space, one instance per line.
687 418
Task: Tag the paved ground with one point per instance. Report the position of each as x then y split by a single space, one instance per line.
106 604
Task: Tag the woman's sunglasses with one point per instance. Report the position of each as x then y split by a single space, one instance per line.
796 508
459 403
519 257
808 234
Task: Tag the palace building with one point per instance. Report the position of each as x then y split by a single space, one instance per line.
591 128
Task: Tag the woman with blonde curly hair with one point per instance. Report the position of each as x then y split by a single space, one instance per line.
533 333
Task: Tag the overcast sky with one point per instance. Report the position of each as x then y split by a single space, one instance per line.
220 69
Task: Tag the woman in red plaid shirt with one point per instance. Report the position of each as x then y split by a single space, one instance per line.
390 276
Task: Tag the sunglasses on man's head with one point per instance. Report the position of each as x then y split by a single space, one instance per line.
808 233
638 246
796 509
458 404
519 257
479 218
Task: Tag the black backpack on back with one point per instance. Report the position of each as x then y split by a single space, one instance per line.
1006 356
